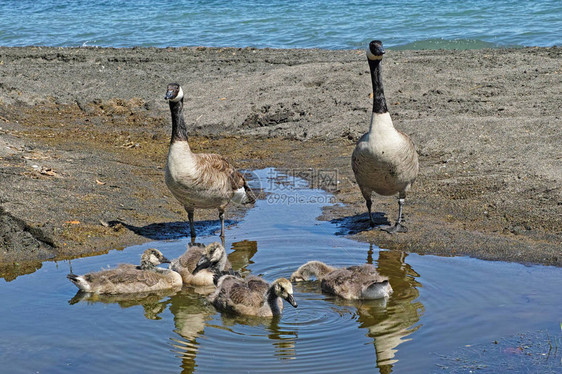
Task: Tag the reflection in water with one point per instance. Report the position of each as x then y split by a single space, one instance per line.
152 302
192 314
202 336
389 329
283 339
389 321
325 334
242 254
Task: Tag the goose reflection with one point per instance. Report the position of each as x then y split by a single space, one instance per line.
193 314
153 303
389 321
389 327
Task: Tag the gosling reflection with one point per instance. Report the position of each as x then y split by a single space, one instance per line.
193 314
153 303
283 340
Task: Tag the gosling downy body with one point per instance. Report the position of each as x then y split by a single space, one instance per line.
199 180
252 296
199 264
385 160
128 278
360 282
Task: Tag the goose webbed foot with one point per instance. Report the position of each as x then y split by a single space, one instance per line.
398 227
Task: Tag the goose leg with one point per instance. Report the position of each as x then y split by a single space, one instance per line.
398 227
221 218
369 204
190 215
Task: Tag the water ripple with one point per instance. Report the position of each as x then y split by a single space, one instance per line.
327 24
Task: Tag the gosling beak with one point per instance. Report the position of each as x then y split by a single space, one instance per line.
164 260
291 300
203 263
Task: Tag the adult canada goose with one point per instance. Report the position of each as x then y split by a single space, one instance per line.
352 283
252 296
199 180
128 278
199 264
385 160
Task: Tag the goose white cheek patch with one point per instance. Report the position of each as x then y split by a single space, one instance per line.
371 56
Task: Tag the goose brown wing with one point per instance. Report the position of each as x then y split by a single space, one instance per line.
124 274
247 295
148 277
189 258
214 163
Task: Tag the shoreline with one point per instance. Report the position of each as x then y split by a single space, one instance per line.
84 134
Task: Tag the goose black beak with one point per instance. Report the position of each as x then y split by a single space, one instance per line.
291 300
168 95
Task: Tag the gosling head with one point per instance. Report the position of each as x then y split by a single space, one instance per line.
174 93
214 254
375 50
301 274
284 289
151 258
312 269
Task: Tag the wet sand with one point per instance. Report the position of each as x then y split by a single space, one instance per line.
84 136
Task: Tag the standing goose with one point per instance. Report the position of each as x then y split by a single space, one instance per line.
128 278
385 160
199 264
203 180
352 283
252 296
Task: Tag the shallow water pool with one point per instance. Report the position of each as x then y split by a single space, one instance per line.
446 314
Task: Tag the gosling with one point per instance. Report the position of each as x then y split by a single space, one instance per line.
200 264
128 278
252 296
361 282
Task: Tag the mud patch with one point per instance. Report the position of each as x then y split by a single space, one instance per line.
269 115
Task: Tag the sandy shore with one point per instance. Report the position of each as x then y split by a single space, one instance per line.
84 135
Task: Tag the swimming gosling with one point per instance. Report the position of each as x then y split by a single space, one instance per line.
199 264
352 283
252 296
128 278
200 180
385 160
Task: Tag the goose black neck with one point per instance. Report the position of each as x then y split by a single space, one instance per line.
179 129
379 101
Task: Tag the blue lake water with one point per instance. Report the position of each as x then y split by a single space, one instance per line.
450 315
328 24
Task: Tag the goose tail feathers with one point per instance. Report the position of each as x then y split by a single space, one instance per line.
244 195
